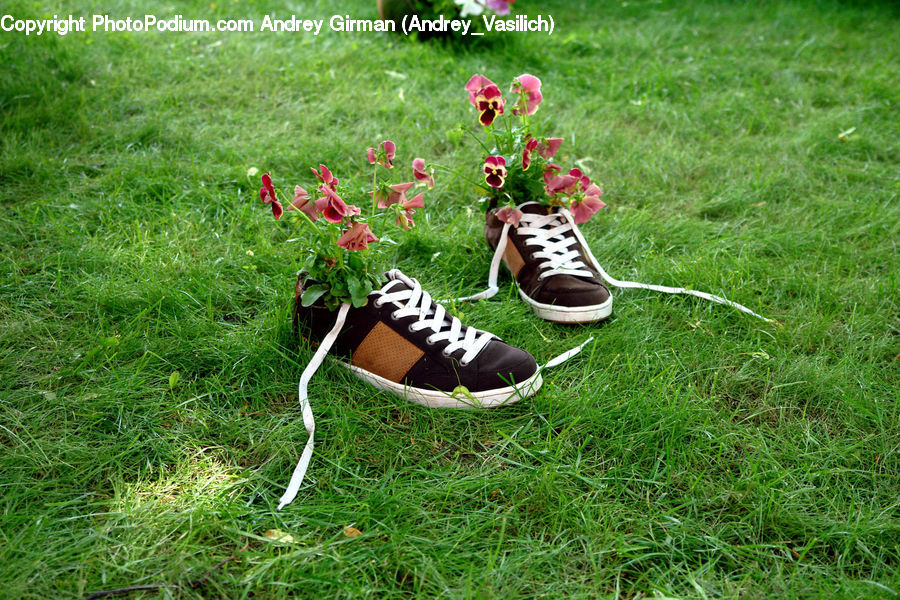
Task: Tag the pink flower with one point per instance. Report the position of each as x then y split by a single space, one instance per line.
568 185
384 156
389 151
528 87
476 83
509 214
561 184
548 148
581 177
530 145
489 104
495 171
303 202
267 195
404 219
356 237
334 209
583 209
396 194
420 174
551 171
501 7
325 176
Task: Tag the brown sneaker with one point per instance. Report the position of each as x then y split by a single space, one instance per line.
403 342
556 271
550 265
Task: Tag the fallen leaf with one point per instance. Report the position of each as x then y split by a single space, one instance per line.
277 535
351 531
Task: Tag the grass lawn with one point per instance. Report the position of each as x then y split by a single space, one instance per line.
691 451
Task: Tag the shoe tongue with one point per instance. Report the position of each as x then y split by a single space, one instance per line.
533 208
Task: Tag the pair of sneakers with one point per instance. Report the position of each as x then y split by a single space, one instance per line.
404 342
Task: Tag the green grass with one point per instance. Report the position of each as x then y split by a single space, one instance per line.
691 451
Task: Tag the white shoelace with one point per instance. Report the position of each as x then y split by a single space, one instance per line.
411 301
414 302
547 233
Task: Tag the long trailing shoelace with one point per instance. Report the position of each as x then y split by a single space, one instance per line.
555 249
410 300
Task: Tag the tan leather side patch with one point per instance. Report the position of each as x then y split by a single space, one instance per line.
513 259
386 353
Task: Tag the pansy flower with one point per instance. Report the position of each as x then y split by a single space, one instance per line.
420 174
573 182
495 171
476 83
394 194
469 8
325 176
356 237
384 156
551 171
267 195
334 209
561 184
530 146
584 208
509 214
489 104
549 147
528 87
501 7
581 177
303 202
407 210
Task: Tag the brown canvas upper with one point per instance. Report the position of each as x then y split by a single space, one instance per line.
559 289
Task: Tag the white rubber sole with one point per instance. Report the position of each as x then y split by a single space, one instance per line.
437 399
569 314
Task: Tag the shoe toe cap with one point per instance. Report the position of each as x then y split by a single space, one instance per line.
568 290
500 365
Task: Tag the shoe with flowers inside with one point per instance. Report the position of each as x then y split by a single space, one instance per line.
403 342
548 258
555 270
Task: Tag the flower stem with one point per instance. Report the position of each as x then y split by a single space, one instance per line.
477 139
459 173
374 188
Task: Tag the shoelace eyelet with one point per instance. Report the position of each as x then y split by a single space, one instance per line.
394 316
430 341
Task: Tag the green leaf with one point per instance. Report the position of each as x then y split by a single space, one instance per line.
174 378
463 394
359 291
312 293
